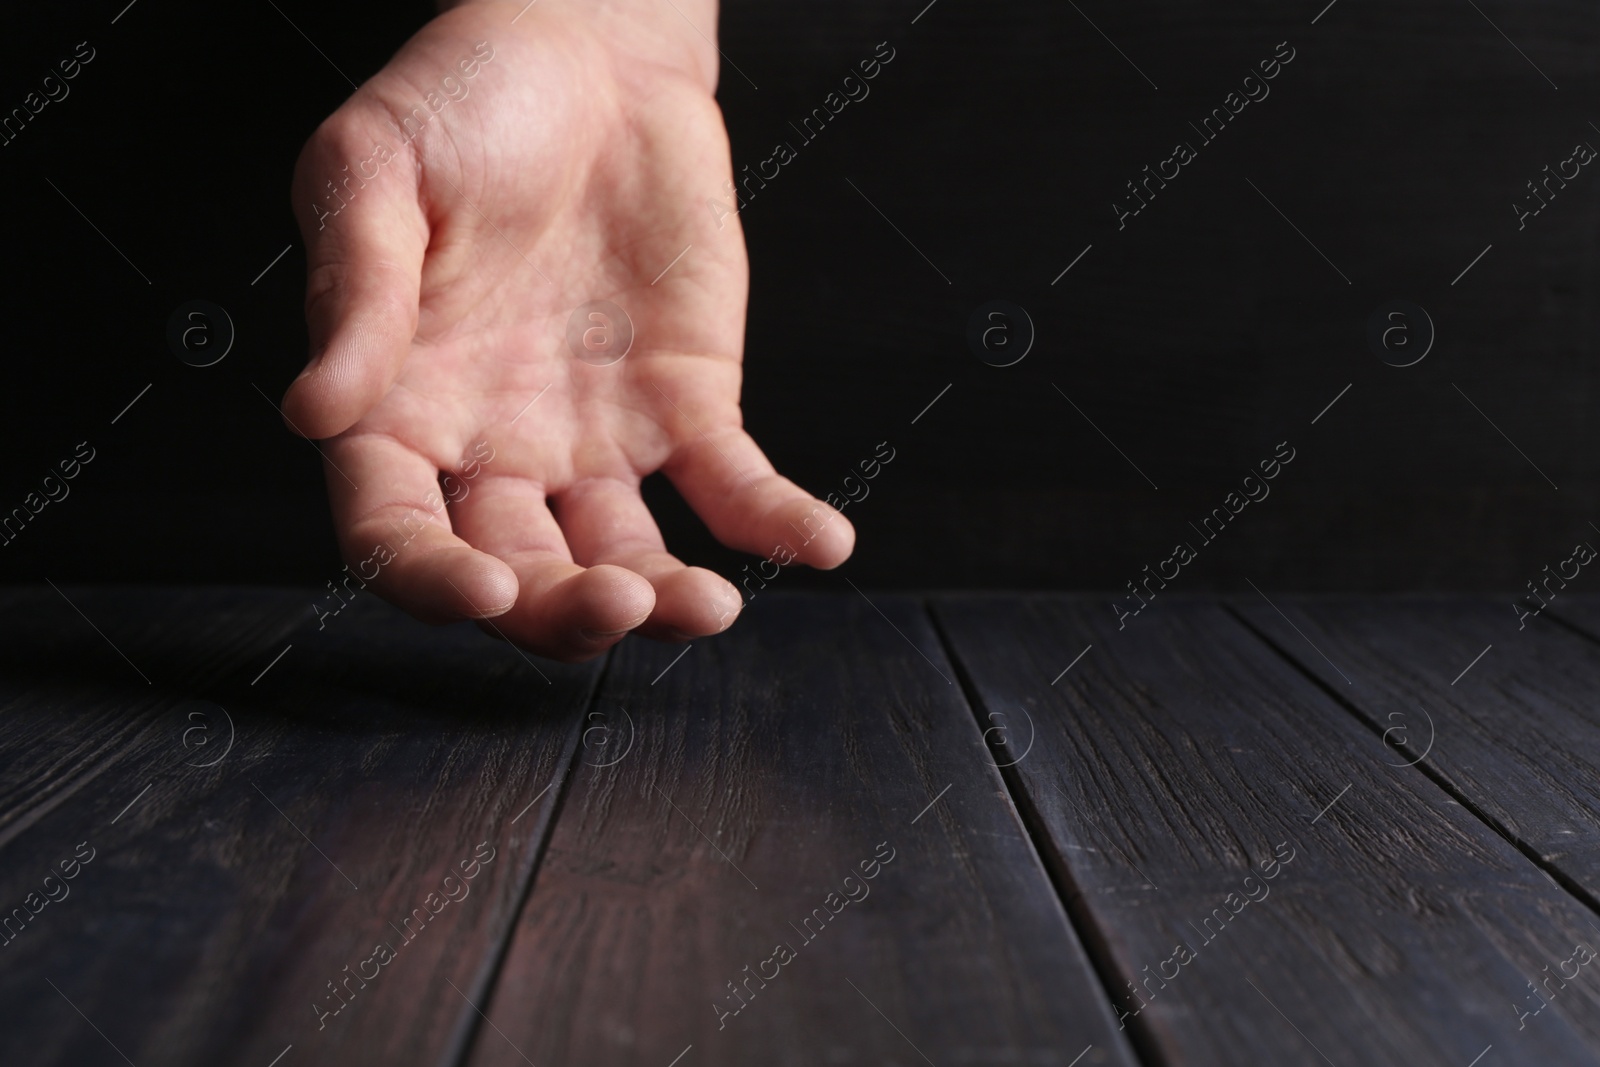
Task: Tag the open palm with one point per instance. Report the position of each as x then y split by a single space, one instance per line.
572 166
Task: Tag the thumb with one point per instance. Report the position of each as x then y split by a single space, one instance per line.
355 197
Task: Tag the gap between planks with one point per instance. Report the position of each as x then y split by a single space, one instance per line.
1096 948
459 1046
1554 874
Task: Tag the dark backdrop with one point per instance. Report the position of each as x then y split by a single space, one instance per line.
1177 352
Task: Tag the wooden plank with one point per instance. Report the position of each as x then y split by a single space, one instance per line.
1580 611
221 902
1501 711
119 668
761 771
1177 765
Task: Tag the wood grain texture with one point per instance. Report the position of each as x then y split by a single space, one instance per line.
217 908
764 767
661 824
1175 758
1516 735
122 663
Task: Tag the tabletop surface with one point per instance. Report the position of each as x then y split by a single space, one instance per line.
855 829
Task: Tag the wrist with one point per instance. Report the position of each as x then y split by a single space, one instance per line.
680 34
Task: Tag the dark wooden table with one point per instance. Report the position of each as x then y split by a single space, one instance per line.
954 830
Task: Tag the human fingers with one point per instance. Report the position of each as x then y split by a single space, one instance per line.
365 235
395 531
563 610
606 522
729 482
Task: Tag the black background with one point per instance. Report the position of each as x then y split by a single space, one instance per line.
1197 338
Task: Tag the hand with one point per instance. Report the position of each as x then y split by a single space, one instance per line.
577 165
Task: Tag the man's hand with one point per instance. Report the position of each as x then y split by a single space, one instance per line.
574 169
